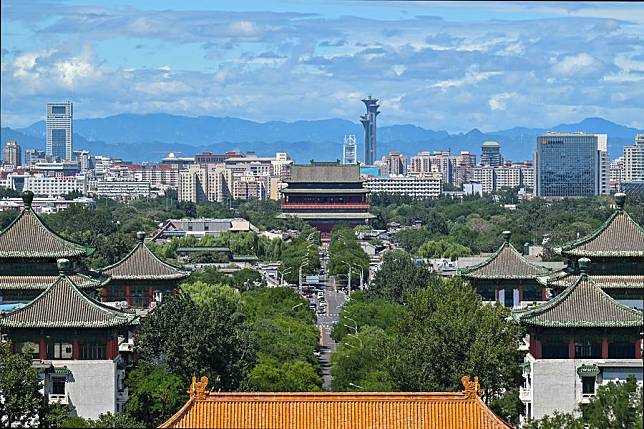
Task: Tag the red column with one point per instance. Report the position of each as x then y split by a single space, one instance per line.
150 295
535 347
43 348
109 349
104 294
544 294
496 294
638 349
128 295
604 347
520 294
571 348
75 349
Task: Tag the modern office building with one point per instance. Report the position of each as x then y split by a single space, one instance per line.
349 150
508 176
11 154
634 160
491 154
60 117
33 156
571 164
369 123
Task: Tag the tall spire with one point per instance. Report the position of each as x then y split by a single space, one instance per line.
369 123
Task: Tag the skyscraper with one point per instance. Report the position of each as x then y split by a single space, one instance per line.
349 150
369 123
59 130
491 154
11 153
634 160
571 164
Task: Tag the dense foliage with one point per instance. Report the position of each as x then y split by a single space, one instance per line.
345 252
301 252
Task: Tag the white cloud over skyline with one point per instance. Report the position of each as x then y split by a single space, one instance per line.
479 66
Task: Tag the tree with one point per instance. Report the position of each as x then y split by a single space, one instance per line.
557 421
399 276
344 250
299 253
206 335
107 420
366 310
447 332
286 339
443 248
292 376
615 406
22 404
155 393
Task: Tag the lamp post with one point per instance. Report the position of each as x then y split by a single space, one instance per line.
349 279
288 270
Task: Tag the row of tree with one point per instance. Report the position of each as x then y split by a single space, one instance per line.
345 252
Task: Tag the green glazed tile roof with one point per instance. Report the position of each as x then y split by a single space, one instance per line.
28 237
619 236
42 282
142 264
563 279
506 263
63 305
583 304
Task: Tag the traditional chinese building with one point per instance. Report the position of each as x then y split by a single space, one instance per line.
140 278
75 342
507 277
28 253
335 410
617 252
325 194
580 339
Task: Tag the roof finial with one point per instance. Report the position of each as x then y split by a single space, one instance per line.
140 236
620 199
27 198
197 390
63 266
472 388
584 265
506 235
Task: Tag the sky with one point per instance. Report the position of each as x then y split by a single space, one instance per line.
440 65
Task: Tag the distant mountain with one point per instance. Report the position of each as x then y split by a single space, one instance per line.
151 136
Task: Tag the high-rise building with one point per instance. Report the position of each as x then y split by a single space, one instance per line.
369 123
491 154
420 164
634 160
60 117
464 164
571 164
11 154
394 163
349 150
33 156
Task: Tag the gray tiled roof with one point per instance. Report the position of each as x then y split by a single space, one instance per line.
506 263
63 305
583 304
42 282
325 172
27 236
563 279
620 236
142 264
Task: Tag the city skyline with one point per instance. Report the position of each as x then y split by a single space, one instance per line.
497 65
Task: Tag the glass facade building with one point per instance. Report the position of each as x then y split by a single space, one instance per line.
59 130
570 164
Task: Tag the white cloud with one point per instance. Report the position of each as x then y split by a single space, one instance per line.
469 79
580 64
499 101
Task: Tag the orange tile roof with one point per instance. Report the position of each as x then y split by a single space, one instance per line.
334 410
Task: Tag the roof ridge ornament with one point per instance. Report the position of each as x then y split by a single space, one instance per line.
64 266
472 388
197 390
507 235
27 198
140 235
620 200
584 266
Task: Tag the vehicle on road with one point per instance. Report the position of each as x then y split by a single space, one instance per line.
312 306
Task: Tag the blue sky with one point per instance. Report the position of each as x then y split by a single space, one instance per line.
440 65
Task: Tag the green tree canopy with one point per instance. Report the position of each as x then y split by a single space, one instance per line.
399 277
270 375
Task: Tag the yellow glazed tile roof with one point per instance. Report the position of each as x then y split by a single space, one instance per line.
334 410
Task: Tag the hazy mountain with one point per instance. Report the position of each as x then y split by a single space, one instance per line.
151 136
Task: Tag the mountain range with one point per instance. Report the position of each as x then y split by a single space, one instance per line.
150 137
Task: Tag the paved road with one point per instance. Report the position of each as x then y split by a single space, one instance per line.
334 302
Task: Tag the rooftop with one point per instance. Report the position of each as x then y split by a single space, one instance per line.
620 236
38 282
506 263
325 172
28 237
335 410
142 264
563 279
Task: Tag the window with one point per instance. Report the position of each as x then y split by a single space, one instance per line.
588 349
31 347
58 385
621 349
91 351
588 385
62 351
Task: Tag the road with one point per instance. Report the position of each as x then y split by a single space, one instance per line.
334 302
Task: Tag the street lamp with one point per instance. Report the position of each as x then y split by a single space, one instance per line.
349 279
356 386
288 270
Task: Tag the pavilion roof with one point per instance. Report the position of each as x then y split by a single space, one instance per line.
142 264
28 237
563 279
40 282
63 305
335 410
505 263
620 236
583 304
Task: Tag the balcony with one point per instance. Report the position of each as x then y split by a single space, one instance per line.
525 394
58 398
347 206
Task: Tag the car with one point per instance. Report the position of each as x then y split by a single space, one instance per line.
321 310
312 306
316 354
320 294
